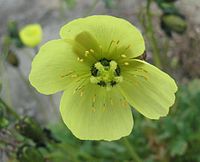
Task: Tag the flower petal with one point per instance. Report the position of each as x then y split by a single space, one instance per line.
55 66
148 89
118 33
98 114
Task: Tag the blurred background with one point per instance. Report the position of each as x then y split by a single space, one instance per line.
31 129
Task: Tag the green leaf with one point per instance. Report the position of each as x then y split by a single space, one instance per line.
178 147
29 154
29 128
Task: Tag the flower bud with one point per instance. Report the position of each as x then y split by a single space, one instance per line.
31 35
28 153
173 23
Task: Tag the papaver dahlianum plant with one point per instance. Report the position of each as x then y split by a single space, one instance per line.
95 64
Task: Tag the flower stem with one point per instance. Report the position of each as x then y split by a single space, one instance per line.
9 109
131 150
151 36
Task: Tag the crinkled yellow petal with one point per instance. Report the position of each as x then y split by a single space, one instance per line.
148 89
110 32
93 113
31 35
55 66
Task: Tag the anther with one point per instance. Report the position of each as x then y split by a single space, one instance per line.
125 103
87 53
145 71
126 63
123 56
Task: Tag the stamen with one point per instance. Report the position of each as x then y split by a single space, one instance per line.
111 102
142 76
128 47
125 103
74 76
141 70
126 63
94 79
121 102
145 71
94 99
123 56
110 45
101 49
119 79
62 76
87 53
104 107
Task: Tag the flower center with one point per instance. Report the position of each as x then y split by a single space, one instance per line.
105 73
